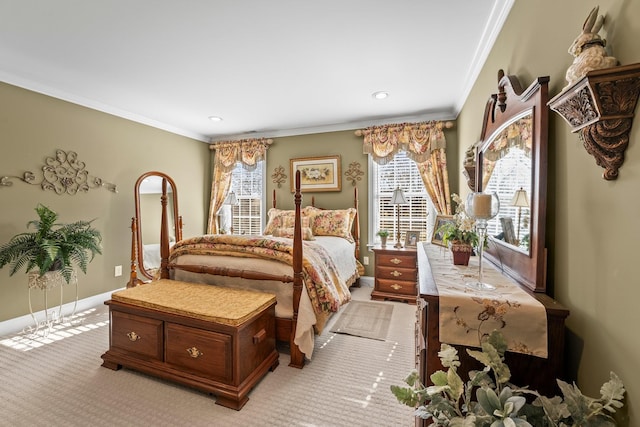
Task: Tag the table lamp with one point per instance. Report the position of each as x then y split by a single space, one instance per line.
398 199
520 200
231 200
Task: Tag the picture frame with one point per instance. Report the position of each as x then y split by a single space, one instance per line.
437 236
509 232
317 173
411 239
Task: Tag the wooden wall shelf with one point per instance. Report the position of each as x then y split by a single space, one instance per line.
601 107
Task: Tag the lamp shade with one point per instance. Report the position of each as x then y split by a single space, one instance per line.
520 198
398 197
231 199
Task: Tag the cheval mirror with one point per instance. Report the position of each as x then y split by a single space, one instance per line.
511 160
156 203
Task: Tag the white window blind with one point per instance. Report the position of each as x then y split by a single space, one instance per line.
400 172
514 171
248 187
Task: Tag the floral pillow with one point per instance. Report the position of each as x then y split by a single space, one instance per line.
307 234
276 219
289 221
333 223
279 218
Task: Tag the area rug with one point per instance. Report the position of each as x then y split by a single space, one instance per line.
365 319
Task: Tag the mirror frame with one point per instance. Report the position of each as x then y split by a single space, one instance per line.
164 231
503 108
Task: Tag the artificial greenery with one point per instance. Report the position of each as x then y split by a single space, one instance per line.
52 246
383 232
462 228
450 402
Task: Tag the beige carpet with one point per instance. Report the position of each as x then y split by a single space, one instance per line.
58 381
365 319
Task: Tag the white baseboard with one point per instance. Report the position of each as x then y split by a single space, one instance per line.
17 324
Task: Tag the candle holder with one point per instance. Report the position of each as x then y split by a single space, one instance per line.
482 207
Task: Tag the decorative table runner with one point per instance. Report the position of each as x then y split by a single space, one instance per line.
466 314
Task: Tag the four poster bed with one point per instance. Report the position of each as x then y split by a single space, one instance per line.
307 257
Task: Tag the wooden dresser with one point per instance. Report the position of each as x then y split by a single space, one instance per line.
538 373
396 274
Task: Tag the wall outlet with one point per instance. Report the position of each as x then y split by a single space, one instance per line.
118 271
365 260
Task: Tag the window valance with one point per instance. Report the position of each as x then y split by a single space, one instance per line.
417 139
517 135
246 151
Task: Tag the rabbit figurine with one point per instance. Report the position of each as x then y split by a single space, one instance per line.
588 50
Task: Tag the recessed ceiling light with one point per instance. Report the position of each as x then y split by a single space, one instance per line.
215 118
380 95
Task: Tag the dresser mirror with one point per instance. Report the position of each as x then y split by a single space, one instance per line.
512 162
154 191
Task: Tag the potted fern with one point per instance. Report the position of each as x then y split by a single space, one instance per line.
52 249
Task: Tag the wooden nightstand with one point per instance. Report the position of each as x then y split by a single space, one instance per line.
396 273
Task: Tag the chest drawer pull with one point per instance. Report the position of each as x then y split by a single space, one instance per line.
396 273
133 336
194 352
396 286
395 261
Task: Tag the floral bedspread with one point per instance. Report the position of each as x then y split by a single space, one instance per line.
327 291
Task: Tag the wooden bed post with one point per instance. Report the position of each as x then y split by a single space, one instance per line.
164 234
133 273
297 357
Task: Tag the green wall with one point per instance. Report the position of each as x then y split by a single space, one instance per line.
592 225
33 126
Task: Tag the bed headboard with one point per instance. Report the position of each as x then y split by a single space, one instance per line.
355 229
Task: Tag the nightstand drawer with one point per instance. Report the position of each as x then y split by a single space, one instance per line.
396 273
399 287
396 260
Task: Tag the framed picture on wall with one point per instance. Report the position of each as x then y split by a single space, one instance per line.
441 220
316 173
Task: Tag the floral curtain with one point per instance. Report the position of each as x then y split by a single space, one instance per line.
425 144
516 135
246 151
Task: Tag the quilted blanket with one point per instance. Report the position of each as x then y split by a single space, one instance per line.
326 290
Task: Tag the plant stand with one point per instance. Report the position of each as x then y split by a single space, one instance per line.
45 283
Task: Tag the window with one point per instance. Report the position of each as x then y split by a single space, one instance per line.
247 212
400 172
513 170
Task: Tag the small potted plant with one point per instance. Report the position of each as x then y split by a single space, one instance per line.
384 234
460 234
52 249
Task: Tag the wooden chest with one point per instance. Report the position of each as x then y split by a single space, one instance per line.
158 335
396 275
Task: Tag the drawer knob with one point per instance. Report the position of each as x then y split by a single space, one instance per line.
396 273
194 352
395 261
133 336
396 286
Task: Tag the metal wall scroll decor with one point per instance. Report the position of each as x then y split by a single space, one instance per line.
354 173
278 176
63 173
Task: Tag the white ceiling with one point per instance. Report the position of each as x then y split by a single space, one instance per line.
268 68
